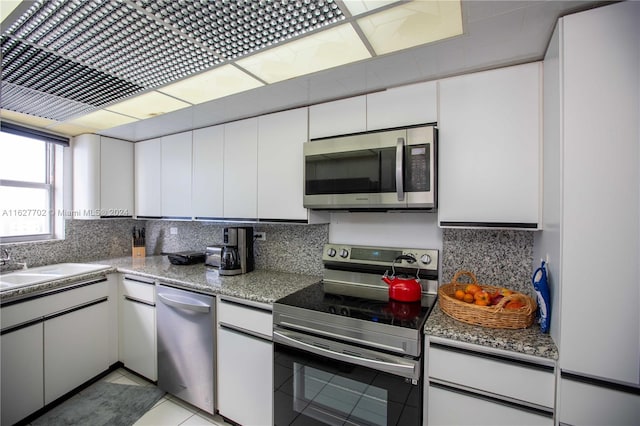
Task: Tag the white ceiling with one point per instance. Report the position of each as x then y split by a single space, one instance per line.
496 33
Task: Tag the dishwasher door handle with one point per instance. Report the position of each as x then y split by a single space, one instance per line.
188 304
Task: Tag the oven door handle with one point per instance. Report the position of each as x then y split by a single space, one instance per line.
400 169
399 369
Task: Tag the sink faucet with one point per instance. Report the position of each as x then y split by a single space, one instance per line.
6 258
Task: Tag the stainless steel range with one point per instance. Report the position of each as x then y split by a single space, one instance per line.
344 352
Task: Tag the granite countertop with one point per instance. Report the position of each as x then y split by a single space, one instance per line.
259 285
528 341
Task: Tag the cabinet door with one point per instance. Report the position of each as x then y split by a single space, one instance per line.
176 175
148 173
86 176
402 106
241 169
208 173
245 378
21 373
138 338
601 168
76 349
489 147
587 404
451 407
338 117
280 164
116 177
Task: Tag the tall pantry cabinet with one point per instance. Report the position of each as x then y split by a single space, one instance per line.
591 225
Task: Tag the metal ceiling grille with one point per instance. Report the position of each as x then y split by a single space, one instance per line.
94 52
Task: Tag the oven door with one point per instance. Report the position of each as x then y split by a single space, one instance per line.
320 381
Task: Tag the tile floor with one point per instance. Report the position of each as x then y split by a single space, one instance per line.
169 411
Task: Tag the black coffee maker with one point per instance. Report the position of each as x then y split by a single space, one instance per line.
237 251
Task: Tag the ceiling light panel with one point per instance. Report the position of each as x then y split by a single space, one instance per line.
412 24
148 105
358 7
318 51
234 29
217 83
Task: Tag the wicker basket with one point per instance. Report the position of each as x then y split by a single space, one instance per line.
496 316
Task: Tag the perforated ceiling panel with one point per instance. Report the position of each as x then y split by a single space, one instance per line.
83 54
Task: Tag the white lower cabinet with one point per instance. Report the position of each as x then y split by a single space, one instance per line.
76 349
475 385
245 363
137 325
582 403
22 389
51 344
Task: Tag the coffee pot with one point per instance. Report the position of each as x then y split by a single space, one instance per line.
236 256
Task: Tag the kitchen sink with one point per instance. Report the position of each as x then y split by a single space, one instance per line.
42 274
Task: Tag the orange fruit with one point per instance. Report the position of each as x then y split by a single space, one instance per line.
482 296
514 304
468 298
472 288
481 302
459 294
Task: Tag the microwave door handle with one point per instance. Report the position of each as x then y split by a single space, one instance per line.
400 169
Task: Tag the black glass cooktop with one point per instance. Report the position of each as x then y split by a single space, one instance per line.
402 314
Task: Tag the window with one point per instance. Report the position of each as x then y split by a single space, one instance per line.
27 184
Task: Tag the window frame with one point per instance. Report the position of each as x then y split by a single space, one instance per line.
50 184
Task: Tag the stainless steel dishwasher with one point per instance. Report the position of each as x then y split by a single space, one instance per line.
186 323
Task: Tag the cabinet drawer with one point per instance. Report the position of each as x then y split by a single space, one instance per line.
44 304
139 289
449 407
245 317
522 381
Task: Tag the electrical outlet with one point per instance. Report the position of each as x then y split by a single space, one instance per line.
260 236
173 230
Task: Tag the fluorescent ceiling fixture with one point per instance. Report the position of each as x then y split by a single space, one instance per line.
148 105
29 120
6 7
101 119
71 129
213 84
316 52
412 24
358 7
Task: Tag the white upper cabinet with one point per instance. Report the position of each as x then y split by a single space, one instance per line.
338 117
208 173
102 177
489 148
280 165
241 169
148 173
402 106
176 175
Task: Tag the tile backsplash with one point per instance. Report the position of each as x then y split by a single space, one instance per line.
496 257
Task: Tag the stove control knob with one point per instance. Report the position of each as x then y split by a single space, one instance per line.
426 259
344 253
331 252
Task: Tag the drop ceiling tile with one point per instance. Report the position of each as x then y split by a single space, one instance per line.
326 49
358 7
148 105
71 129
210 85
412 24
101 119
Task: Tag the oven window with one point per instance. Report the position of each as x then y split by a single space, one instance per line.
309 389
369 171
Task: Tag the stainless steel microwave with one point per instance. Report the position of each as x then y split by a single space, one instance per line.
381 170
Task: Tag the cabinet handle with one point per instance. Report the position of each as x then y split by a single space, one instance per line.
140 301
400 169
195 306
